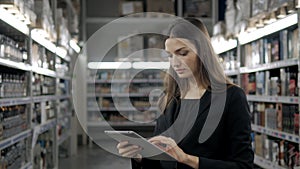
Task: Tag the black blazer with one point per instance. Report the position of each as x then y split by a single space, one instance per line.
229 147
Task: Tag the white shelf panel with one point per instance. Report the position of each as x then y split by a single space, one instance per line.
63 138
275 99
125 81
45 127
37 36
275 133
16 65
268 66
121 109
269 29
15 101
13 21
27 166
121 95
64 77
231 72
129 20
44 98
43 71
126 109
14 139
266 163
224 46
63 97
120 124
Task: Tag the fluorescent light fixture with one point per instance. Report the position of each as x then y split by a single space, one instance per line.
13 21
7 5
74 46
151 65
39 37
297 3
61 52
109 65
269 29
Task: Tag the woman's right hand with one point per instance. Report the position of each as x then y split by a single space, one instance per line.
130 151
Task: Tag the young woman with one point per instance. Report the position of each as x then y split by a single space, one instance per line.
205 121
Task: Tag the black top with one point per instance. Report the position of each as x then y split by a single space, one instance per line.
229 145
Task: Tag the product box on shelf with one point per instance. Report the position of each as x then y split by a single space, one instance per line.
162 6
275 4
63 34
198 8
130 7
44 18
128 45
230 16
259 7
155 44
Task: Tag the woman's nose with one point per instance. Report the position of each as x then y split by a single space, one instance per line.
175 61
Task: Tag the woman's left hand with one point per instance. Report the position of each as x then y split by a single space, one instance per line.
170 146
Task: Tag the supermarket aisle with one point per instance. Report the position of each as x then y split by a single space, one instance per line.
93 158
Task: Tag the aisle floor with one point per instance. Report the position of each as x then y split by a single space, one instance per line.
93 158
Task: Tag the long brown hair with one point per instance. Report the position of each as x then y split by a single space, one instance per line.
211 75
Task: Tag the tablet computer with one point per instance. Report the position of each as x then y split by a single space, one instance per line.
149 150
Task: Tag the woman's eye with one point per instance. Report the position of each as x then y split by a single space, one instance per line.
183 53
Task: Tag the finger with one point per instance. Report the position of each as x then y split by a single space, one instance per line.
132 154
122 144
157 138
128 149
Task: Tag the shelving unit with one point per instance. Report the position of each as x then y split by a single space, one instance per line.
19 31
102 101
282 137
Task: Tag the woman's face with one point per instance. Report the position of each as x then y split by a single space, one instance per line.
182 57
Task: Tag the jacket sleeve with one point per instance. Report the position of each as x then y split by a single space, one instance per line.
238 127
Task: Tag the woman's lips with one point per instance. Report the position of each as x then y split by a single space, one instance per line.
179 71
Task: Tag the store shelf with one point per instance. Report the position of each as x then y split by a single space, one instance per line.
15 101
120 124
224 46
45 127
274 99
63 97
27 166
268 66
281 24
12 21
129 20
44 98
64 77
231 72
43 71
277 134
63 138
14 139
122 109
120 95
15 65
266 163
125 81
37 36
